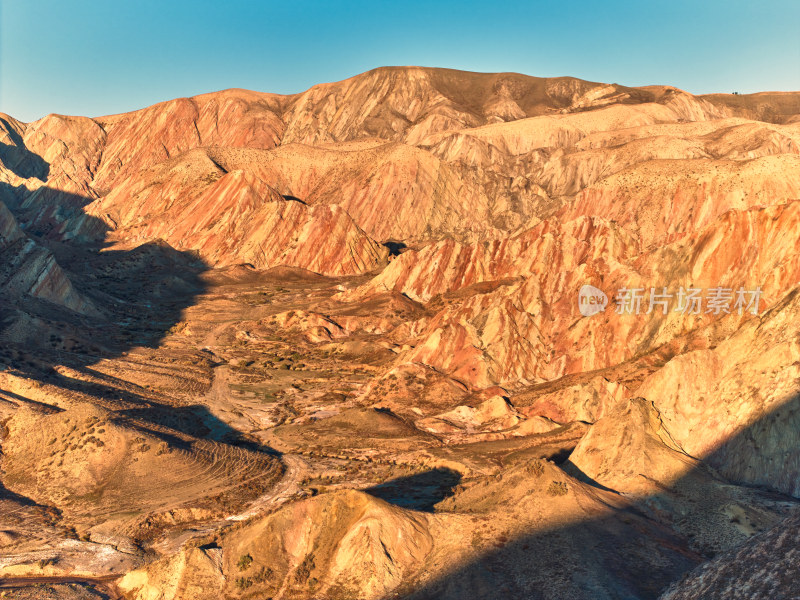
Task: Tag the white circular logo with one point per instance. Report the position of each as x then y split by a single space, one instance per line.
591 300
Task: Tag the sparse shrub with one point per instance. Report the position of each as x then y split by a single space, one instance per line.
243 583
557 488
263 575
94 440
304 569
536 468
244 562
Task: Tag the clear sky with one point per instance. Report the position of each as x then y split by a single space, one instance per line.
95 57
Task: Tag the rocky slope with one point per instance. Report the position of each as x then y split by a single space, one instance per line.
244 221
507 309
30 270
761 568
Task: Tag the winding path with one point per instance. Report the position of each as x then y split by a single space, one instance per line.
288 486
104 584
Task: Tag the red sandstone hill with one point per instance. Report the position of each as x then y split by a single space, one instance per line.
378 279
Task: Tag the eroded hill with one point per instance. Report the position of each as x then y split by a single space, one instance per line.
332 345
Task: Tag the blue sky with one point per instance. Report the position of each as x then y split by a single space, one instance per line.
94 57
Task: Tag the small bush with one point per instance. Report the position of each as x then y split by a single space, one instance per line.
304 569
244 562
536 468
243 583
263 575
557 488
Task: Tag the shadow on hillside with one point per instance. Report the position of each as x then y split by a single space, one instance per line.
421 491
18 159
195 420
7 494
638 549
395 248
573 471
137 296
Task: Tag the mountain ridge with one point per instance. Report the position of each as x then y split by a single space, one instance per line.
332 344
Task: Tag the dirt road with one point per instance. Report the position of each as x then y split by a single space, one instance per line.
288 486
104 585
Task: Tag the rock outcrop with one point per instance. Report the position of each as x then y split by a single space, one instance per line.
231 218
31 271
